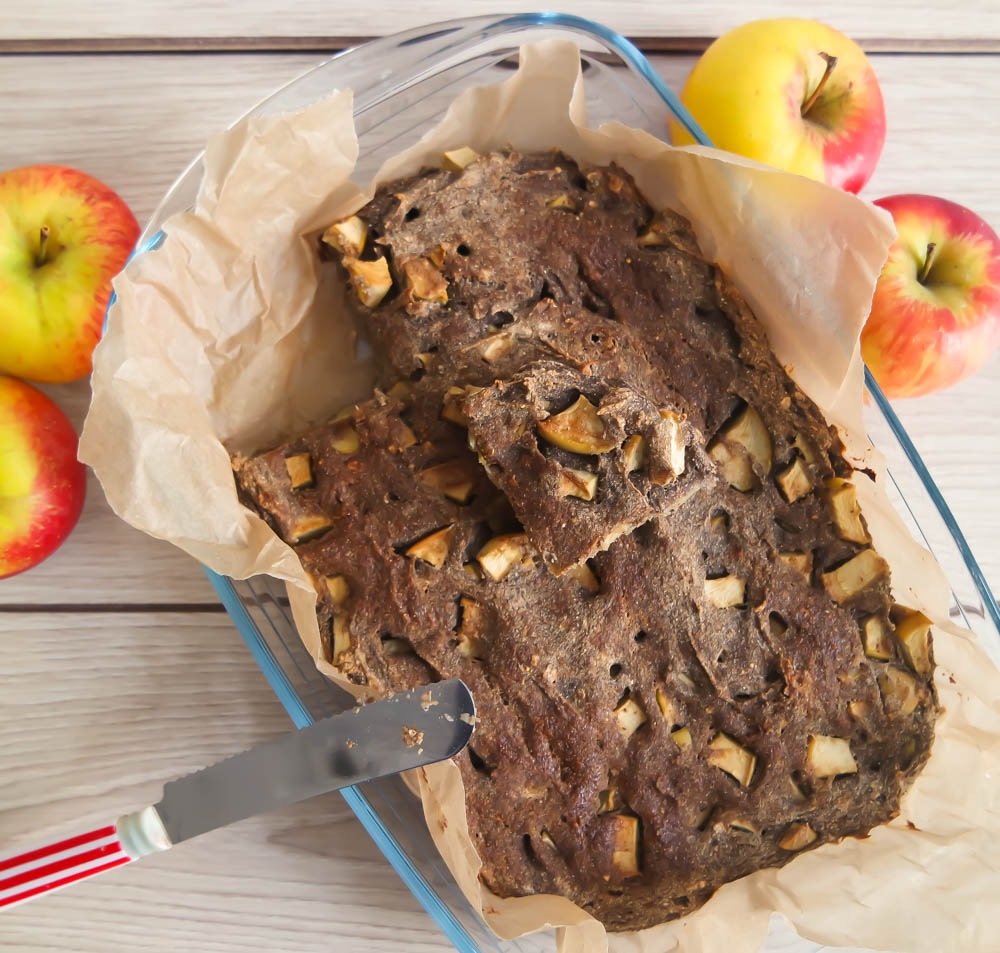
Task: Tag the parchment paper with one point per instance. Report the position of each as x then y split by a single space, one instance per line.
228 338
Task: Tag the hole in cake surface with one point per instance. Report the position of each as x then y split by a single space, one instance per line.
615 891
529 849
411 214
546 292
615 671
682 901
477 762
464 250
641 636
773 674
500 318
392 497
776 624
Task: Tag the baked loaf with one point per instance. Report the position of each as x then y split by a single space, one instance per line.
586 486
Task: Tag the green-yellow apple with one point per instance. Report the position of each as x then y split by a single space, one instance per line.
936 312
794 94
63 236
42 484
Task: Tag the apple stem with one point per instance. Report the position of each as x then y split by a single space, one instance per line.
831 62
925 269
43 241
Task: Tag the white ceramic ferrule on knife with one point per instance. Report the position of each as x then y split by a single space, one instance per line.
399 733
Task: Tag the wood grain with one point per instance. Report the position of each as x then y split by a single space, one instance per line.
97 709
29 19
106 104
96 712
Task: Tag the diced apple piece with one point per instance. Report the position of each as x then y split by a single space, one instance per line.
450 479
744 826
805 448
654 237
400 391
634 452
501 554
876 638
454 160
725 592
827 757
582 574
746 437
625 845
675 441
433 549
341 637
913 631
843 497
665 705
563 202
578 429
858 710
797 836
579 483
630 717
900 688
802 563
453 398
424 282
494 347
402 438
733 465
348 236
337 589
854 576
371 279
309 527
795 481
726 755
608 800
681 737
470 642
546 838
796 792
345 439
299 469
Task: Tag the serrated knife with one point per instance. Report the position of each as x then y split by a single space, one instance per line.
405 731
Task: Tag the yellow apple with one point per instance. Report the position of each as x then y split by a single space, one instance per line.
63 236
794 94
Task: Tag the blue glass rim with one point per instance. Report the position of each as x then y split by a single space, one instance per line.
261 651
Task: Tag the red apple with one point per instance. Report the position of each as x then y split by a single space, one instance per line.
63 236
42 484
791 93
936 312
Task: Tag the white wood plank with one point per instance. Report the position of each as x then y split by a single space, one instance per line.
938 142
108 18
96 712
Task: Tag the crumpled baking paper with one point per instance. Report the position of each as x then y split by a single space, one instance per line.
230 337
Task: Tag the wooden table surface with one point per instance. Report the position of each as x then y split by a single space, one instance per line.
118 668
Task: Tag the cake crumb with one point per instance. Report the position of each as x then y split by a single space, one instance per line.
468 719
411 736
426 701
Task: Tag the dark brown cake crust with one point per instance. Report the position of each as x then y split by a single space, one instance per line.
721 685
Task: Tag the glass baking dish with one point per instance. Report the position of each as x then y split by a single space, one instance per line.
402 85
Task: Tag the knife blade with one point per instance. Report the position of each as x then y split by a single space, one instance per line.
401 732
405 731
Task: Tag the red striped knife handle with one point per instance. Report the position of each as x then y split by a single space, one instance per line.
31 873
